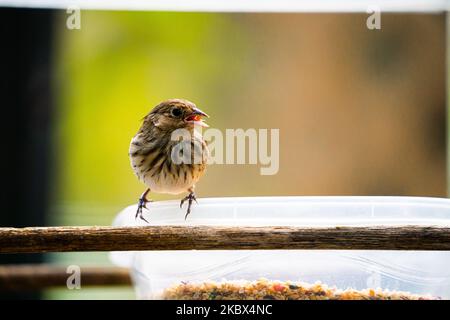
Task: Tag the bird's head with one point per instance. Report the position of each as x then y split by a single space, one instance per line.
176 114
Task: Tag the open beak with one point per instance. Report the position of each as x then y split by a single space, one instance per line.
196 118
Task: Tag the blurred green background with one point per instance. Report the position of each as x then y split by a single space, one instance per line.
360 112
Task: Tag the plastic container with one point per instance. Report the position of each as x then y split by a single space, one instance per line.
425 273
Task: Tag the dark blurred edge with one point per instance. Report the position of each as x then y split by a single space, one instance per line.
26 123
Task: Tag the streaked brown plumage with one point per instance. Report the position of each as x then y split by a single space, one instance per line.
151 151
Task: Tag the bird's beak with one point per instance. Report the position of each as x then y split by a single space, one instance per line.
196 118
199 113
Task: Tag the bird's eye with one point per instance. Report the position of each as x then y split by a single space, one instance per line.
176 112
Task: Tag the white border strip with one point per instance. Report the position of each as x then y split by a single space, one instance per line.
239 5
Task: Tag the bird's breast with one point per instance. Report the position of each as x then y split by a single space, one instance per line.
159 166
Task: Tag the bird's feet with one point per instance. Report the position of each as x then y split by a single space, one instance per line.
191 197
142 203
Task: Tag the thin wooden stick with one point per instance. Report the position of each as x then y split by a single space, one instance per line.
37 277
61 239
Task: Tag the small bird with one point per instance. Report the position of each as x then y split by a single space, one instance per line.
152 151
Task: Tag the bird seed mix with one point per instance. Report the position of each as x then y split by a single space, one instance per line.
264 289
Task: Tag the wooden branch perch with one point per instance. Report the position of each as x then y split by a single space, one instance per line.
60 239
36 277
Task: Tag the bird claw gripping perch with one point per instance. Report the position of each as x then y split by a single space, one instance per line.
191 197
142 203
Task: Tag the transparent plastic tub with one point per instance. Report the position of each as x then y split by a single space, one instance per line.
239 274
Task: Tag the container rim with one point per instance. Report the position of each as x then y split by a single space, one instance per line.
296 211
